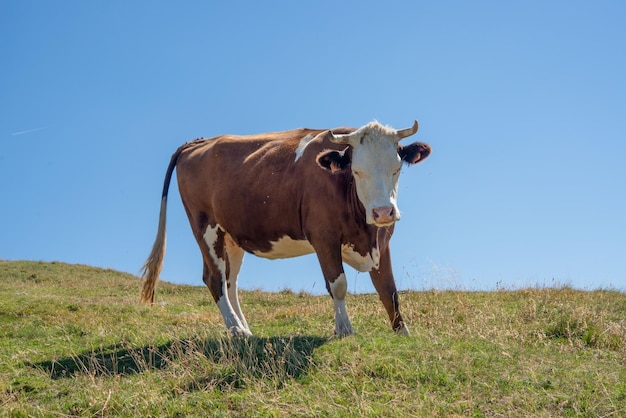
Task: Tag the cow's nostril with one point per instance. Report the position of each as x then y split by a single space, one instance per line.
385 213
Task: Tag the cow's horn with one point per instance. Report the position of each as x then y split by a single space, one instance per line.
403 133
347 139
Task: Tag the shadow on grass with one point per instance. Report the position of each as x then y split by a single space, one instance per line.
232 358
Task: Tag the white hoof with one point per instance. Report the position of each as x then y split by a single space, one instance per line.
239 332
344 331
403 331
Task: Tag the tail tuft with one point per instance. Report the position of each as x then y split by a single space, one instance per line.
152 267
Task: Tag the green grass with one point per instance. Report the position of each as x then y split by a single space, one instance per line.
74 341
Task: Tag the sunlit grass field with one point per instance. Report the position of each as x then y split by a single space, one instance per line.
74 341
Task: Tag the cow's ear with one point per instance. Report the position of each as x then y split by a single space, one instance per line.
414 153
333 160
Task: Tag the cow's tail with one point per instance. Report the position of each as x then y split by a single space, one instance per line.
152 267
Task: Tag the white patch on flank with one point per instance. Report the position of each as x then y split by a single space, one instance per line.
338 289
286 247
302 146
357 261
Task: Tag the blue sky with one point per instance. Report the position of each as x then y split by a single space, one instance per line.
524 104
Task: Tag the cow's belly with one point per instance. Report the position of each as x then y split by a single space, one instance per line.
286 247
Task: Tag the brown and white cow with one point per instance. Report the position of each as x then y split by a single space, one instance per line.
286 194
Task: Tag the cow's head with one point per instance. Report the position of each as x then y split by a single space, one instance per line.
375 159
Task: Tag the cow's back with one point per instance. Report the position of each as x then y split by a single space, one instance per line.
253 187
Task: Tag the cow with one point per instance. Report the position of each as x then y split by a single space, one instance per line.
285 194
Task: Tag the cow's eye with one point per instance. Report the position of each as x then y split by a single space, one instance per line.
358 174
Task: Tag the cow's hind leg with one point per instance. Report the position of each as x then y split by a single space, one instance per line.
215 276
234 260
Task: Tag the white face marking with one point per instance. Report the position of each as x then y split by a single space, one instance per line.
376 168
357 261
302 146
286 247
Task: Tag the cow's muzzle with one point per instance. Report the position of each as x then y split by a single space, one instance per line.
384 215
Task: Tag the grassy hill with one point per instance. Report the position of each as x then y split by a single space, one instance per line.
75 341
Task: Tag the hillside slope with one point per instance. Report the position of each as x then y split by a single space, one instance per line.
75 341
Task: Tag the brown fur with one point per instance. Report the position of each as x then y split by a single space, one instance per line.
256 191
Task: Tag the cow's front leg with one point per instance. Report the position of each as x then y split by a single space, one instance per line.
338 289
386 287
337 286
